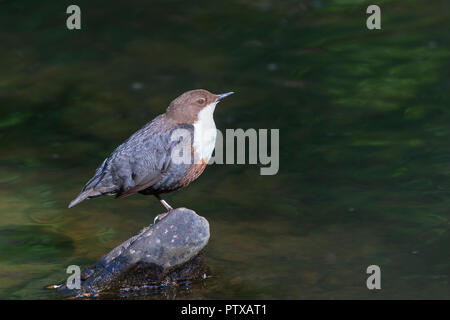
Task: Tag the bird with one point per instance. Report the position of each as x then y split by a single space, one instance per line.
148 162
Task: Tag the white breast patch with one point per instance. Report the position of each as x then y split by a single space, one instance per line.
205 133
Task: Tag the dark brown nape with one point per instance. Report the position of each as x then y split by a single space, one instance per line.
186 107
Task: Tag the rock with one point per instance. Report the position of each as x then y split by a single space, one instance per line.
170 250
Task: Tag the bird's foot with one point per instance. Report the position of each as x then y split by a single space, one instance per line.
161 216
167 206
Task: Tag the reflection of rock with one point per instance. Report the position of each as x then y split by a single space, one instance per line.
169 250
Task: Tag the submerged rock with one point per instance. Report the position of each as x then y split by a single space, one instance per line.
170 250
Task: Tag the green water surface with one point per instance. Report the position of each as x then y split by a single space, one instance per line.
364 119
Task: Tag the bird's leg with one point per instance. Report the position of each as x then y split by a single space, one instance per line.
166 205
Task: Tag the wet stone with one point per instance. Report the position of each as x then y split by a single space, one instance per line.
170 250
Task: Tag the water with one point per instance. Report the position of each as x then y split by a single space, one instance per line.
364 141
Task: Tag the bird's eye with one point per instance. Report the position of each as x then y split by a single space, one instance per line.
201 101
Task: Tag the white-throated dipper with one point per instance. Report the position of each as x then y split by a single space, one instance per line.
144 162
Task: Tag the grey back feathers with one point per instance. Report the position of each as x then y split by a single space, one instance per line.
139 163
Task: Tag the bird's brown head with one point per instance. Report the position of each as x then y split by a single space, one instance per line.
185 108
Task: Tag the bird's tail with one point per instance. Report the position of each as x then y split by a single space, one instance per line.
101 183
83 196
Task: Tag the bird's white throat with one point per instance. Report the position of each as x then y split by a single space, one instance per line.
205 133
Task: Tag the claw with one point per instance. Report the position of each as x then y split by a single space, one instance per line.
159 217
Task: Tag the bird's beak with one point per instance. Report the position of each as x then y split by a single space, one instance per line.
223 95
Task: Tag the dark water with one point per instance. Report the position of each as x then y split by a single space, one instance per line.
364 140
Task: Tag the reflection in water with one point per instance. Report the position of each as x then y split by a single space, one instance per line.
364 153
28 244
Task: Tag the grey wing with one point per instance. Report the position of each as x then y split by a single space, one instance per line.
149 158
136 164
